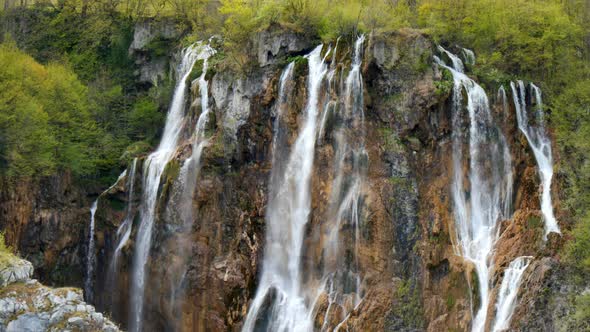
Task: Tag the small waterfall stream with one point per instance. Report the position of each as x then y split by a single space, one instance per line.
341 279
508 291
124 230
185 187
533 129
480 204
153 168
91 249
90 255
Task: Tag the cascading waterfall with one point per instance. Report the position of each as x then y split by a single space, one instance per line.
508 291
285 301
341 279
480 206
190 168
535 133
153 168
287 215
124 230
508 174
90 253
187 181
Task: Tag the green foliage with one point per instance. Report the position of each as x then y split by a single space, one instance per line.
582 314
196 72
445 85
532 38
45 121
6 255
145 120
410 308
135 150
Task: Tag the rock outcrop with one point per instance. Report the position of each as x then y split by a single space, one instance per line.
28 306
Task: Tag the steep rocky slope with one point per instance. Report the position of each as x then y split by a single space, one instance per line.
205 278
27 305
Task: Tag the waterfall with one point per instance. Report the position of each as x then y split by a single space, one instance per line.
288 212
340 279
153 168
509 175
535 133
90 253
508 291
289 290
469 56
187 184
124 230
480 206
190 168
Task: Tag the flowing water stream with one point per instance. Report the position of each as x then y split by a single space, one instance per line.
508 291
287 300
287 215
91 249
153 168
481 183
533 128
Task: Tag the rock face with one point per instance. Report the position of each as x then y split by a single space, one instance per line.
28 306
150 48
203 277
46 222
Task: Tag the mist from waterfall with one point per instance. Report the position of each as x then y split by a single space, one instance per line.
533 128
481 193
154 166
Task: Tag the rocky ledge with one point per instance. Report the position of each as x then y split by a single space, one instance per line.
28 306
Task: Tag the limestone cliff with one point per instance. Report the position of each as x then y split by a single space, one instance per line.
204 279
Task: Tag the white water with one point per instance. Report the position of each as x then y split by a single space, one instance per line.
468 56
341 280
124 230
535 133
480 206
508 291
190 169
90 253
287 215
187 184
153 168
90 256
